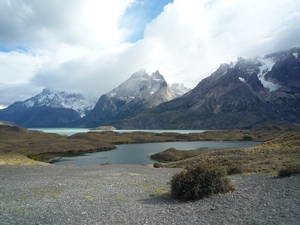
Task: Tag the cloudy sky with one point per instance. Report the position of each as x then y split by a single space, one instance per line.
91 46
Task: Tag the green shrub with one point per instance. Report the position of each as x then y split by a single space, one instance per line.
199 182
288 171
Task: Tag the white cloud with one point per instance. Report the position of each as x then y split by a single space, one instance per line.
12 66
79 45
191 38
43 23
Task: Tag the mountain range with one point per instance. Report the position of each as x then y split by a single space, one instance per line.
53 108
242 94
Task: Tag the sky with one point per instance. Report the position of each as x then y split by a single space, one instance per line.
92 46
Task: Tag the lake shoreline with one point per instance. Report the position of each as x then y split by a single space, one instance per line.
17 143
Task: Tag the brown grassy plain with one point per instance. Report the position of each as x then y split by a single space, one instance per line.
267 157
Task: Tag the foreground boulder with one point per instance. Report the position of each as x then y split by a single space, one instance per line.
158 165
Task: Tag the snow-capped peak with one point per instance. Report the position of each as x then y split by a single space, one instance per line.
61 99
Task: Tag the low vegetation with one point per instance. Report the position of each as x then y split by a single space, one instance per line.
289 170
173 154
267 157
199 182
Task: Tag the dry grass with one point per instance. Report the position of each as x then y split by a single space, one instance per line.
17 144
268 157
289 170
18 159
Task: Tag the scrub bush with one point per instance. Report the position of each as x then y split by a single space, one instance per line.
288 171
199 182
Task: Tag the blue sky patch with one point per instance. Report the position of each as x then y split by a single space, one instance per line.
139 14
10 49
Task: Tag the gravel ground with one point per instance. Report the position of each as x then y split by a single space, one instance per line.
133 194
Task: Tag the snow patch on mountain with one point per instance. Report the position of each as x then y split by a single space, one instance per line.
61 99
233 63
111 94
267 64
242 79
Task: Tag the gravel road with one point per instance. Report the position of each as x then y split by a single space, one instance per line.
133 194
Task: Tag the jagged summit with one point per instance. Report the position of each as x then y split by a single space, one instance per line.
139 81
139 92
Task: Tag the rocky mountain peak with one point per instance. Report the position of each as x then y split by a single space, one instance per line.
157 81
139 81
140 75
156 75
46 91
139 92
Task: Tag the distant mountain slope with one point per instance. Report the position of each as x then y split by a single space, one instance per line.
140 92
47 109
246 93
